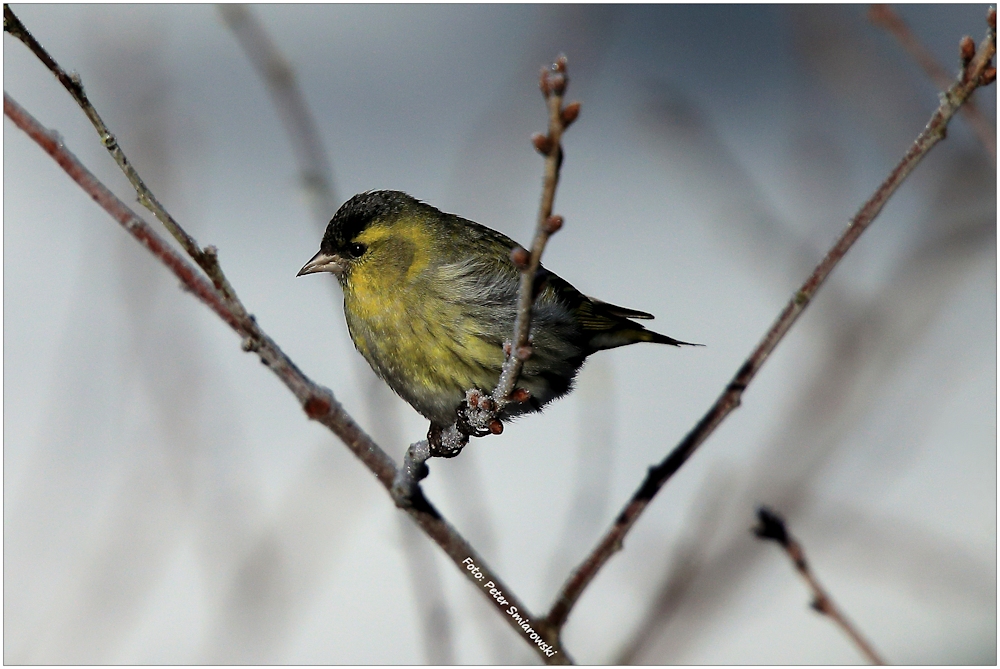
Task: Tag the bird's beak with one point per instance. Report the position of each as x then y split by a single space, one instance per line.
323 262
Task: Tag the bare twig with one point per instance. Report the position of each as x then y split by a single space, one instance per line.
887 17
206 258
978 72
772 528
481 413
318 402
553 83
279 77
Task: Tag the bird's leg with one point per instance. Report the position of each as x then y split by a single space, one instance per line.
434 437
441 443
406 487
447 442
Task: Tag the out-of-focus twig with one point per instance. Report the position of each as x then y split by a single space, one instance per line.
772 528
431 605
886 17
979 72
685 565
480 413
279 77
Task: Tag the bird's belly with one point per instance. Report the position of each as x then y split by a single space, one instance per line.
428 358
431 354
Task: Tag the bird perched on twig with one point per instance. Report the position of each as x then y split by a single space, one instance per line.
430 300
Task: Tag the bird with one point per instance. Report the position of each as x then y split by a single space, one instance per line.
430 299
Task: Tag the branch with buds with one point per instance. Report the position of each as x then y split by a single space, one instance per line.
887 17
478 415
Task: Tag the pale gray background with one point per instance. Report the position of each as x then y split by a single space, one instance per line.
165 500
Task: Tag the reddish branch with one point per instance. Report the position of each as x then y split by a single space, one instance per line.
886 17
978 72
771 527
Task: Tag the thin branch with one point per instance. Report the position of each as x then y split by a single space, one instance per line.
772 528
553 82
480 413
978 72
318 402
206 258
886 17
281 83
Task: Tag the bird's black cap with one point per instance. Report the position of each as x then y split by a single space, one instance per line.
359 212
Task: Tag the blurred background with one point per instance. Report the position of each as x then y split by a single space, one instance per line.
166 501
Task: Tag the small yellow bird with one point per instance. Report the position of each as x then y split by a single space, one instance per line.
430 299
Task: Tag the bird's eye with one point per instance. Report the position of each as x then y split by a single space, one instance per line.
355 250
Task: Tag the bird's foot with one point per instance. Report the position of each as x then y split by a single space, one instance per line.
447 442
478 415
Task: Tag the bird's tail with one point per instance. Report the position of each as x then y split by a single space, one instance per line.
631 333
610 326
657 338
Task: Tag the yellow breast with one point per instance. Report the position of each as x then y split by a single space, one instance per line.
425 346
